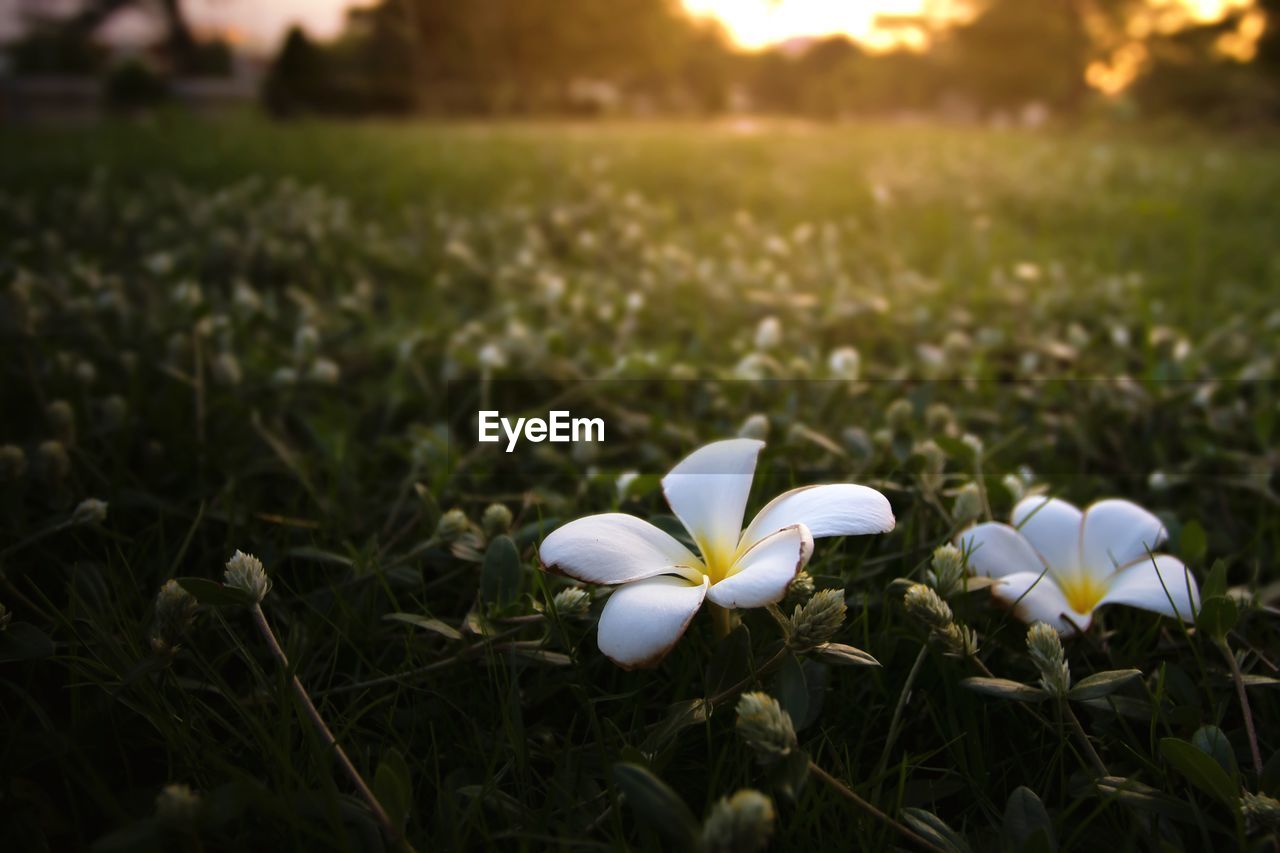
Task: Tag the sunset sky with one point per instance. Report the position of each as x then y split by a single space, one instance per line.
751 23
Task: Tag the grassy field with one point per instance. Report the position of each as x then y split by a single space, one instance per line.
275 339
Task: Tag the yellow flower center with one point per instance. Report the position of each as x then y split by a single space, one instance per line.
1082 591
717 564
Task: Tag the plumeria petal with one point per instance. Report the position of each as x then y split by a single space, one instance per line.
641 621
1052 527
1036 598
761 575
615 548
708 491
1116 533
840 509
1159 583
996 550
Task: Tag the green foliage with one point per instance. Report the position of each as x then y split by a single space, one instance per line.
353 273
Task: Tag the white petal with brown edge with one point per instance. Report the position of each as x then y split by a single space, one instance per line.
643 620
765 571
615 548
838 509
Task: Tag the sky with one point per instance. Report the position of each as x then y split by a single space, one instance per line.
751 23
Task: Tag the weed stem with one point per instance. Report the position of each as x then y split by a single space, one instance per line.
849 794
260 619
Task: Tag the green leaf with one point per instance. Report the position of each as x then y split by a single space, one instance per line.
934 829
1217 616
1026 822
24 641
426 623
1102 683
393 787
1201 770
842 655
1216 583
1192 543
214 594
1212 741
656 805
800 687
1142 797
534 532
500 575
1003 688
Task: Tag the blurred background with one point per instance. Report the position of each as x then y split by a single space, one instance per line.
999 61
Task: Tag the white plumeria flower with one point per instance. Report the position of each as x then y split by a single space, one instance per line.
1058 565
661 583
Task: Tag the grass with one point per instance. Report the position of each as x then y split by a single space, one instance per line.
275 339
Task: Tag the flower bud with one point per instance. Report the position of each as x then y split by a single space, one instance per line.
899 414
13 463
177 803
972 442
452 525
90 511
768 334
938 419
935 461
496 520
115 412
225 368
818 619
1045 647
925 604
845 363
305 341
1261 813
245 573
801 589
968 504
52 462
175 613
324 371
739 824
572 601
62 420
765 727
957 641
755 426
1014 486
946 570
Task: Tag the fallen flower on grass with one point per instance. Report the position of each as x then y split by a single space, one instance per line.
1057 564
662 584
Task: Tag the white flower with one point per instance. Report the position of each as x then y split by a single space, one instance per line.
768 334
1057 564
662 583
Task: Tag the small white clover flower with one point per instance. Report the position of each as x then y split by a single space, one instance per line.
324 371
245 573
739 824
1045 648
90 511
768 334
845 363
1057 564
755 426
496 519
661 584
766 727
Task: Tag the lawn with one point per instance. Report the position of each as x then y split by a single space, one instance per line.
275 339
